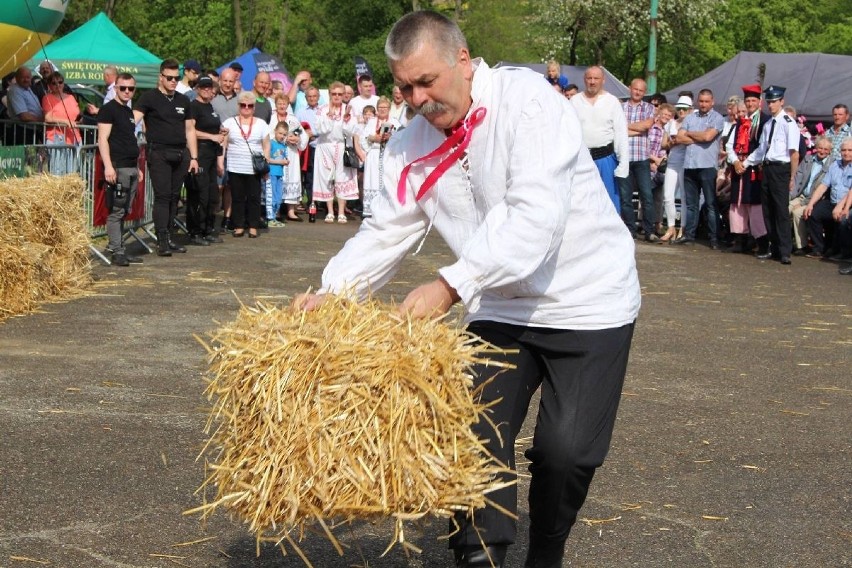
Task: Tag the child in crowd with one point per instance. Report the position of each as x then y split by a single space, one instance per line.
297 141
277 164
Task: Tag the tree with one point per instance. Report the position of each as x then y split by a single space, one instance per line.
613 32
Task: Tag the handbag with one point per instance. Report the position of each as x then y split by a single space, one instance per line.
259 164
350 158
258 161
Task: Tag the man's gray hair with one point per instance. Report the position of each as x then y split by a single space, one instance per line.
416 28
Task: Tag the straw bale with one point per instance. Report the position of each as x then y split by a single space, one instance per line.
348 412
44 252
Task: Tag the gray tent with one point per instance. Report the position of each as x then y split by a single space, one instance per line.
815 82
575 75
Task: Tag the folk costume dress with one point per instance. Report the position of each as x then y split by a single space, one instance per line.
372 164
331 177
746 213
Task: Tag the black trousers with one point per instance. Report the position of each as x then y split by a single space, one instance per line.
202 192
245 200
826 233
775 198
167 168
581 374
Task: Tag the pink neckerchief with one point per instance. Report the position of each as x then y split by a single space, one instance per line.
458 138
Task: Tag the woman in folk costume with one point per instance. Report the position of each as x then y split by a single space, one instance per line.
746 213
335 122
373 138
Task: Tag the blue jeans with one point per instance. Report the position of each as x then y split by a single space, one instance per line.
695 182
640 177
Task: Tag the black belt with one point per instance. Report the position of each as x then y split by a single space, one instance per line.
775 163
602 151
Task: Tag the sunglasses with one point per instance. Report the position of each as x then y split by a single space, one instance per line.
246 105
336 94
58 82
126 88
170 77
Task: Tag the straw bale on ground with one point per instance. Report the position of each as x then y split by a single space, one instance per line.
43 242
345 413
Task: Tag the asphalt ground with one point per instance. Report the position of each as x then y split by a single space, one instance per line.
732 446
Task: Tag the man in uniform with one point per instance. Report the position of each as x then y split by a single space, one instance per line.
120 153
545 268
172 149
779 153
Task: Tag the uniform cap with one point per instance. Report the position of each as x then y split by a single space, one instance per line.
751 91
684 102
773 93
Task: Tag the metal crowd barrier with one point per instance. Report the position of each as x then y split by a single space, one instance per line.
24 153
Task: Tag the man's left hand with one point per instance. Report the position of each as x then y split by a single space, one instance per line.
193 167
430 300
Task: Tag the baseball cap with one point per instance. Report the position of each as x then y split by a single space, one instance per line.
192 64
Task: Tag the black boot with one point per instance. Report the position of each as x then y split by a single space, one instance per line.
545 553
478 557
763 248
163 244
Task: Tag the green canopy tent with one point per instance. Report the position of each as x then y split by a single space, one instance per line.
82 54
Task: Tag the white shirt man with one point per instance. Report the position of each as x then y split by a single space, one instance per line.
542 260
365 97
604 129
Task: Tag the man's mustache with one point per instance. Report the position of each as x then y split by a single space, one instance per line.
430 108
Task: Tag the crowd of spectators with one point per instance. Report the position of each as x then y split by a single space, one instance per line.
749 182
725 172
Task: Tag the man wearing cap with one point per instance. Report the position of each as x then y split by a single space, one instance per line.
746 213
202 191
778 151
191 72
604 131
702 131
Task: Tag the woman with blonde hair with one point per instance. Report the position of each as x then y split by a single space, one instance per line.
372 139
246 135
334 123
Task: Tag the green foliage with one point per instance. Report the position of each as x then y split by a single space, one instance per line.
323 36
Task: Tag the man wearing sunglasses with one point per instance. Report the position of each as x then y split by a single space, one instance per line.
172 149
119 152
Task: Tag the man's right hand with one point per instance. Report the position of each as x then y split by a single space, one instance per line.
309 302
109 174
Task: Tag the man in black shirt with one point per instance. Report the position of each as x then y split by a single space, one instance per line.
119 152
172 149
202 190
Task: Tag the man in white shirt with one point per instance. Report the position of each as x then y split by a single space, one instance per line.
544 266
365 97
604 132
779 154
398 107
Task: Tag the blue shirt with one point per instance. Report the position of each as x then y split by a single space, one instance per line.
839 179
702 154
277 151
